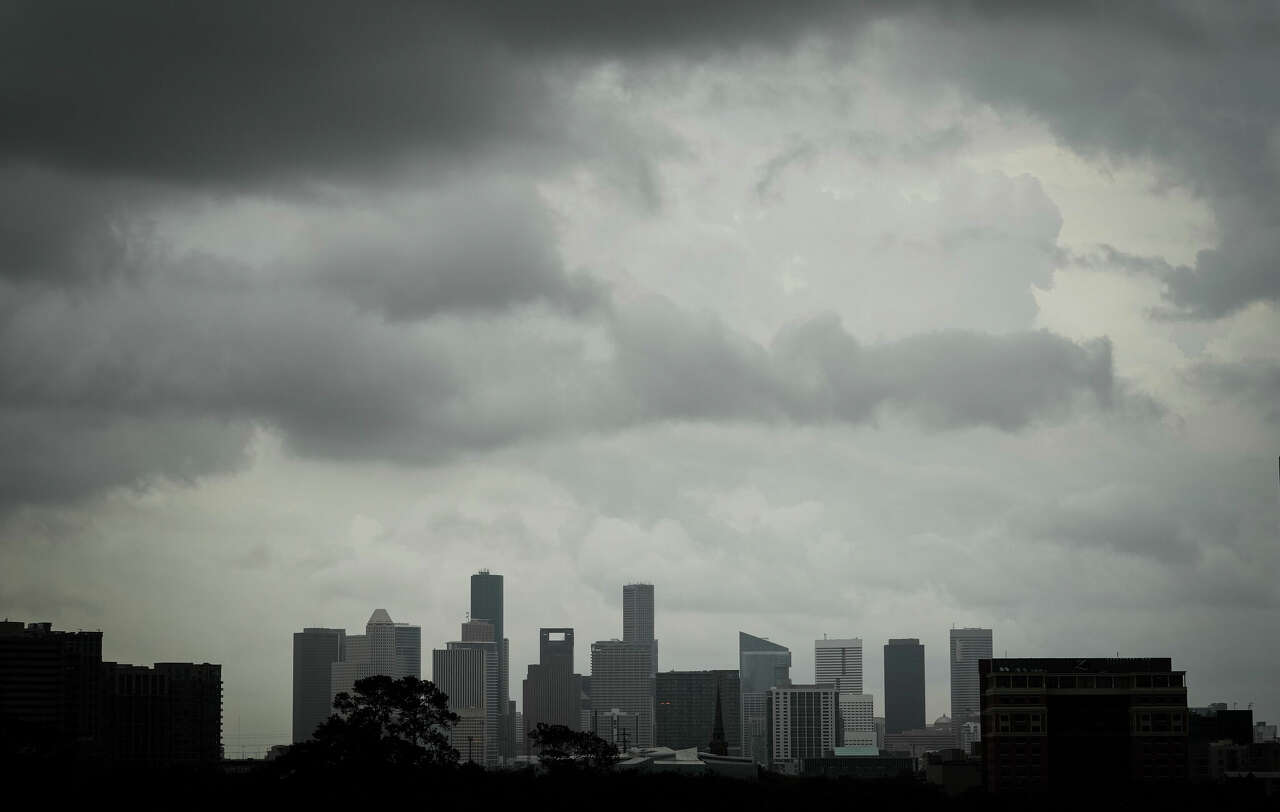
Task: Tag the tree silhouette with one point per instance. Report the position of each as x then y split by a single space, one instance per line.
559 747
387 724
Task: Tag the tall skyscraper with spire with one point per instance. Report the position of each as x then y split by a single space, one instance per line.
486 604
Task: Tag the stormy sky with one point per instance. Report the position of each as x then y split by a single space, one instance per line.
823 317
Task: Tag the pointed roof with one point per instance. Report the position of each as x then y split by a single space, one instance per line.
379 616
749 642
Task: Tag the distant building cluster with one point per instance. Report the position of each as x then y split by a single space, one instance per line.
1016 724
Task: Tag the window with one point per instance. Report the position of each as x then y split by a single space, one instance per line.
1002 682
1143 681
1035 682
1035 724
1104 682
1019 682
1051 682
1175 680
1160 681
1066 682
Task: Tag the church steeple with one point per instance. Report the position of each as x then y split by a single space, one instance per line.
718 746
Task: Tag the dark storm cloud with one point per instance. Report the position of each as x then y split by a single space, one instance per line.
57 229
481 248
245 93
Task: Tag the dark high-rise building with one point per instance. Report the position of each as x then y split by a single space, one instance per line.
688 705
762 665
1215 723
314 651
1063 723
486 604
169 715
552 692
903 685
51 690
637 617
61 701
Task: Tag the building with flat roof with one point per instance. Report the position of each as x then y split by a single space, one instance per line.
487 605
315 650
801 725
690 704
552 692
903 685
838 662
622 682
51 689
467 671
968 646
1068 722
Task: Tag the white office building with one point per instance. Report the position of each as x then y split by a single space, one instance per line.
968 646
386 648
838 662
802 724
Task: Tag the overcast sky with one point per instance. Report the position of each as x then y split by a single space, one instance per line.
864 323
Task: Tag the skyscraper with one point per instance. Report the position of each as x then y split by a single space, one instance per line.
637 617
801 724
315 650
622 683
761 665
386 648
551 690
486 604
968 646
1064 723
903 685
688 704
467 671
838 662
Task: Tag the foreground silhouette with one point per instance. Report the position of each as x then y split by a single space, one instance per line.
385 725
560 748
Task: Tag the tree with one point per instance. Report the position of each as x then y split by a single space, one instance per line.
560 747
386 724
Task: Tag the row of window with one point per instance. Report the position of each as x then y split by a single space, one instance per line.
1059 681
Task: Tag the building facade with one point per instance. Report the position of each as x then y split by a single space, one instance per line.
315 650
857 720
385 649
838 662
51 689
968 646
688 706
169 715
637 617
762 665
552 692
903 685
487 605
467 671
1062 723
622 680
801 725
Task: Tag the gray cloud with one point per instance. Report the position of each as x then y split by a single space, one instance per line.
1254 382
203 346
466 250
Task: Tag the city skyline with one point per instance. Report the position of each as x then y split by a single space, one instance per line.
861 319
